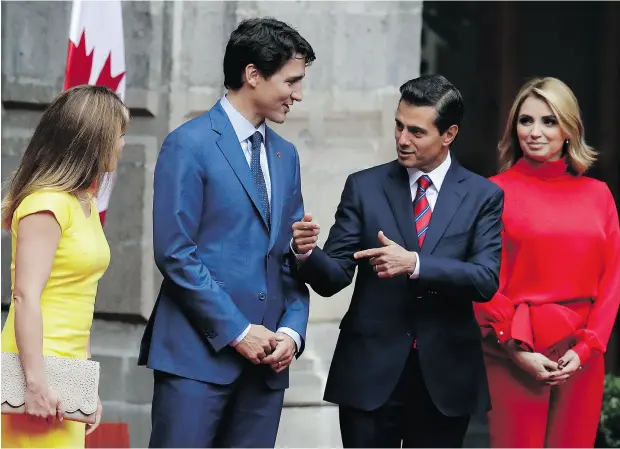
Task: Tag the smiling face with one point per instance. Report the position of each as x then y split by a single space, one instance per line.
273 97
418 141
540 136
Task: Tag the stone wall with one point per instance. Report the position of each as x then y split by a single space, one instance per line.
365 50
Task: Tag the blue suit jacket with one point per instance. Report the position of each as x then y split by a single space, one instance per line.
223 268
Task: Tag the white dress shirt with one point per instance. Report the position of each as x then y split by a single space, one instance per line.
244 130
437 177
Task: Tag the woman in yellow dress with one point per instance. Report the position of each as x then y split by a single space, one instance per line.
59 252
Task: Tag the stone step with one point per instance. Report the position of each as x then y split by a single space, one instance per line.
308 426
302 427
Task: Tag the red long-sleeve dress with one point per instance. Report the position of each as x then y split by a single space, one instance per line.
559 283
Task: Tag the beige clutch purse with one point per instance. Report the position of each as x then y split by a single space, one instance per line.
74 381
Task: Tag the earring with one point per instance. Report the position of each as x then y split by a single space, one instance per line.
565 147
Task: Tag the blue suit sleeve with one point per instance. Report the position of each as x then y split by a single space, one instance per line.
297 296
177 209
476 279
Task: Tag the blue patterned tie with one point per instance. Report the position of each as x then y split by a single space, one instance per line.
257 174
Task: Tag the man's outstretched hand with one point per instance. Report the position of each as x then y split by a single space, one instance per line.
390 260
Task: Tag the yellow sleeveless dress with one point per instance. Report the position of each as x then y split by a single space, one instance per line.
67 304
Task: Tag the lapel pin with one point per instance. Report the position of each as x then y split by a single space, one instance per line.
278 154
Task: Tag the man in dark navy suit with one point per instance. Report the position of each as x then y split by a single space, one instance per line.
424 234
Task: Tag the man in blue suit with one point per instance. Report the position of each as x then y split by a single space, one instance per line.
229 317
424 235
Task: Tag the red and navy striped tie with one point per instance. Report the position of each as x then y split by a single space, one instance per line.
422 209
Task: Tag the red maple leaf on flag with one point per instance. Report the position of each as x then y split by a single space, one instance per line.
105 76
80 65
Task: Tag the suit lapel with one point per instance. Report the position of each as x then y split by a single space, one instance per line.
398 192
229 145
448 201
275 174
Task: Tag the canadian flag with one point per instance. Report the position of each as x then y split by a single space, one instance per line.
96 55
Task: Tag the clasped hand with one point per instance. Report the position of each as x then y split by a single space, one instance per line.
261 346
543 368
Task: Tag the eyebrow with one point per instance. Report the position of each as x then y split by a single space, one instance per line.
544 116
294 79
413 129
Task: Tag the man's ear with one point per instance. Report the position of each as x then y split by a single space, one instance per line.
450 134
251 75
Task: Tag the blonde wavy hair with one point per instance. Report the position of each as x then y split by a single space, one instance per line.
561 100
72 147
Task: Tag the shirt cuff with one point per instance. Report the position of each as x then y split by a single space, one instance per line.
291 333
583 351
299 256
416 270
237 340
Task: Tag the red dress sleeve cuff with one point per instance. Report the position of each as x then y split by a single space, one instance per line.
502 331
495 317
583 351
588 345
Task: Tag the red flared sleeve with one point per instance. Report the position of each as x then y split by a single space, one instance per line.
593 339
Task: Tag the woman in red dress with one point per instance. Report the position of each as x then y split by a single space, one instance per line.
548 325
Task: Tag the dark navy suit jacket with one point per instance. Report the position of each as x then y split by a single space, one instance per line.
459 263
223 268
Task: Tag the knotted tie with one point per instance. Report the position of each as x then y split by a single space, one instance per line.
422 209
257 173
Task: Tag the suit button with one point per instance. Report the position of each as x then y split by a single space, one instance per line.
501 332
419 297
409 334
262 296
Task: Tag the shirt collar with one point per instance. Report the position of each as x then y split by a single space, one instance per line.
437 175
243 128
